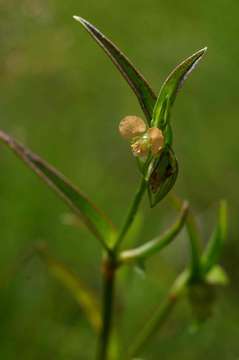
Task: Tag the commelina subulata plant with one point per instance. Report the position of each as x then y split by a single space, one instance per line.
151 143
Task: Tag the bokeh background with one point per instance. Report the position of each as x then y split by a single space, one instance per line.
61 96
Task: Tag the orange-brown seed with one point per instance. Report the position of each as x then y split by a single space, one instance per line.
131 126
156 139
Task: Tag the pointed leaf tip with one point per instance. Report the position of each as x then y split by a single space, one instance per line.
135 79
170 88
93 218
80 19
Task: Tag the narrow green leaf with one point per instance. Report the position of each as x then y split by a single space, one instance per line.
162 176
96 221
137 82
170 88
83 296
214 247
156 245
194 237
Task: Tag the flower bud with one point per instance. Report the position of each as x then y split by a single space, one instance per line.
131 127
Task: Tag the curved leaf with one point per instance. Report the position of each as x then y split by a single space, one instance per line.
162 176
93 218
83 296
156 245
170 88
137 82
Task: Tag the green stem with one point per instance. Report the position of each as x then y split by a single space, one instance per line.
194 237
152 326
160 315
131 213
194 244
109 269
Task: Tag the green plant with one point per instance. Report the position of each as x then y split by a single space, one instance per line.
151 144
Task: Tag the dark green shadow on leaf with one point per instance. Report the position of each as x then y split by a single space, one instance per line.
162 176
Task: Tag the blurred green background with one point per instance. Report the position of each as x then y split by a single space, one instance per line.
62 97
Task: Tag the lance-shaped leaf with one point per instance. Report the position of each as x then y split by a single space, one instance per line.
156 245
83 296
137 82
170 88
214 247
93 218
163 174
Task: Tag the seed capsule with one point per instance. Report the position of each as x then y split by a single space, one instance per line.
156 139
131 127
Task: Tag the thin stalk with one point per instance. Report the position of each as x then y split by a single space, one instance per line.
109 269
152 326
194 244
160 316
131 213
194 237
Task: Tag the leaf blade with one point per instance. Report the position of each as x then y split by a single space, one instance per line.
156 245
171 87
69 280
93 218
163 176
135 79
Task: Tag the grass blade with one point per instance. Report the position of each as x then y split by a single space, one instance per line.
194 237
96 221
214 247
74 285
137 82
170 89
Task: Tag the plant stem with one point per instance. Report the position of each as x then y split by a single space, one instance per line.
109 269
152 326
194 237
160 315
131 213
